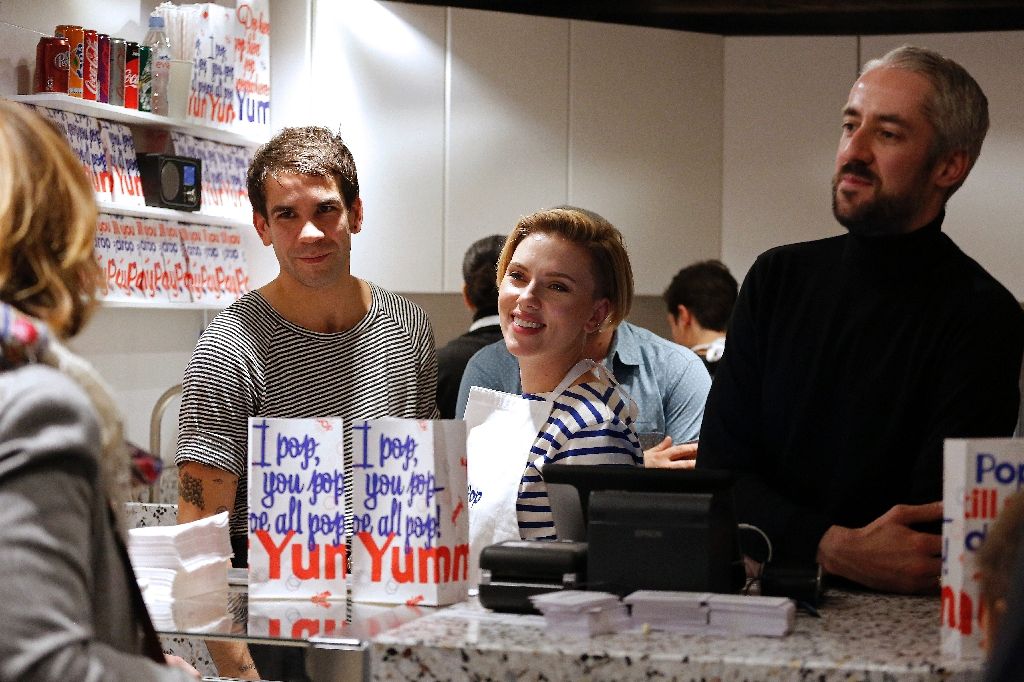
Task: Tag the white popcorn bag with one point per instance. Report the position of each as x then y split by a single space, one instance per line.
978 477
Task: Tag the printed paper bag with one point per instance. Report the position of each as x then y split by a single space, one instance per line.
978 476
296 509
410 520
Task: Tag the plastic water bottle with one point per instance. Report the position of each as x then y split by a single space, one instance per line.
160 45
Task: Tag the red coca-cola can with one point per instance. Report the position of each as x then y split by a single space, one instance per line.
91 67
76 51
103 72
52 59
131 75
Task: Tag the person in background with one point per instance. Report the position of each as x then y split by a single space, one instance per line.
315 341
1000 564
699 301
480 295
562 275
668 383
852 358
69 603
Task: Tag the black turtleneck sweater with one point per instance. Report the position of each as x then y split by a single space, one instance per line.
850 360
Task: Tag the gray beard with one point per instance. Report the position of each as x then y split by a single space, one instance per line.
884 215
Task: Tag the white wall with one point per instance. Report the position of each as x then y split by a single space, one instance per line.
461 121
782 114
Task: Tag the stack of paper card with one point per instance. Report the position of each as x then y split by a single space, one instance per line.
685 612
175 562
751 615
575 612
707 613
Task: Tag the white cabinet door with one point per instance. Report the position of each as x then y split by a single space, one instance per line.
507 125
378 74
783 109
646 141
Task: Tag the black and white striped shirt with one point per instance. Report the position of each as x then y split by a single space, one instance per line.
251 362
590 423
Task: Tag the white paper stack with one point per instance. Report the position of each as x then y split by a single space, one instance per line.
176 562
707 613
751 615
686 612
581 613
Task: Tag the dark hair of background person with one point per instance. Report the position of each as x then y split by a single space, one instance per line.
707 289
478 269
309 150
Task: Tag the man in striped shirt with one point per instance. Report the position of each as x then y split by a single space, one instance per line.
314 342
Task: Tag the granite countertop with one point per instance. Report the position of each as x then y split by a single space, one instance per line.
858 637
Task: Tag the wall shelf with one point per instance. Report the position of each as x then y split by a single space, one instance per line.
110 112
164 305
195 217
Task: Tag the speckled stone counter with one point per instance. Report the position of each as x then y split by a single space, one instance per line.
858 637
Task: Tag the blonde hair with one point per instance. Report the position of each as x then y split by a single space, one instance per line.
609 260
47 223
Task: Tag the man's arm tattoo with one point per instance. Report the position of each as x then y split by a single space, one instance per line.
191 490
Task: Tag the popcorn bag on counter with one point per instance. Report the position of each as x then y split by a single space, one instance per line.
979 475
296 509
410 518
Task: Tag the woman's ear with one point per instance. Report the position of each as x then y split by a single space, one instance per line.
601 312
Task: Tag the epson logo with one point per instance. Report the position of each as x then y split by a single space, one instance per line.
652 533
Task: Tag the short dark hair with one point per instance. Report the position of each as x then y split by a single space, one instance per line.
707 289
478 272
309 150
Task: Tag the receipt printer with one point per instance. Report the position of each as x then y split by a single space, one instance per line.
513 571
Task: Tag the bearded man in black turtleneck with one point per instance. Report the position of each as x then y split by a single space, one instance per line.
852 358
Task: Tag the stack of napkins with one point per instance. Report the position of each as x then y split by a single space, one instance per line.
575 612
707 613
176 562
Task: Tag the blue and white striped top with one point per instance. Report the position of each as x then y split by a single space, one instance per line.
590 423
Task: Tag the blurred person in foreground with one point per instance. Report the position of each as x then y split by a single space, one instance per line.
69 603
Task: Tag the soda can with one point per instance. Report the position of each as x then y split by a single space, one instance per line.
145 78
52 65
103 69
131 75
118 48
90 65
76 53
